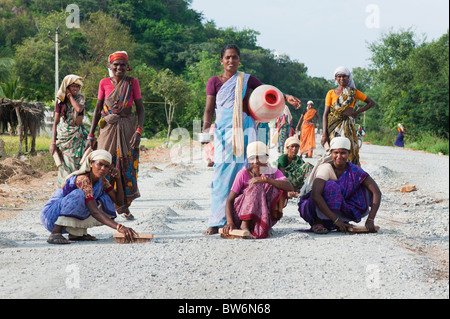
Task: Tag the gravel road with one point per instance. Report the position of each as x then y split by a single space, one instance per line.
407 259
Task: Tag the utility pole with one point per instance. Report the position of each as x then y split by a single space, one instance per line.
56 41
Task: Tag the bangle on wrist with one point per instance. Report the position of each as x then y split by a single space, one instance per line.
119 227
139 130
334 223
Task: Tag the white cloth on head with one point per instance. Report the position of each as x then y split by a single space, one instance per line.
346 71
88 157
340 142
257 149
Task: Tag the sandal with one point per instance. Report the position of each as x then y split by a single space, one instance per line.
319 229
57 239
83 238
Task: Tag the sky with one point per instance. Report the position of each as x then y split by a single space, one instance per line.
325 34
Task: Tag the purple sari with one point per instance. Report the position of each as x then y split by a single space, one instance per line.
346 197
69 201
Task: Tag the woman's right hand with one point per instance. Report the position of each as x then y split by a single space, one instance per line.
129 234
52 149
324 140
227 228
89 143
342 226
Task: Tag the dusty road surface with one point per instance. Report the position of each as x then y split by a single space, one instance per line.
408 258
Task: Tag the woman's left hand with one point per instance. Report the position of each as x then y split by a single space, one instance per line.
349 112
257 180
135 140
113 172
370 225
295 102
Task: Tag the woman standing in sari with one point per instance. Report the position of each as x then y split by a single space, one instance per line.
284 122
68 133
339 115
120 133
308 130
258 195
399 141
227 97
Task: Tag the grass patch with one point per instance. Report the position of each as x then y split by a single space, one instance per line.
12 144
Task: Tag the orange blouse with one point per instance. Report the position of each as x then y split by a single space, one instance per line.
332 97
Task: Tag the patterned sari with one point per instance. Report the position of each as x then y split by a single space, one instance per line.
297 171
346 197
257 203
70 140
342 125
226 164
116 131
283 131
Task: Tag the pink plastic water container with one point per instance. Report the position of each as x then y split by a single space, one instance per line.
266 103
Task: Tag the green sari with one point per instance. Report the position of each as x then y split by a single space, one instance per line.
297 171
70 140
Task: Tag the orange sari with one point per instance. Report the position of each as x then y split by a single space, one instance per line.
307 135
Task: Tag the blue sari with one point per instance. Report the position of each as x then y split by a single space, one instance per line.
226 164
69 201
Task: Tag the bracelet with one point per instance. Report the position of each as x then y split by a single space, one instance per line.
334 223
119 227
139 130
90 138
53 143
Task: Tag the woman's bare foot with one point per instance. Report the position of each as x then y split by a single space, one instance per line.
211 231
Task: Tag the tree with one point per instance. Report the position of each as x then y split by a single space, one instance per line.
175 92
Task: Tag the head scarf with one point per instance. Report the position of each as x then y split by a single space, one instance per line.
68 80
346 71
340 142
310 102
257 149
118 55
290 141
88 157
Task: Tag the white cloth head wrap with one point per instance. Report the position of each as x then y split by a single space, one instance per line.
340 142
257 149
88 157
290 141
346 71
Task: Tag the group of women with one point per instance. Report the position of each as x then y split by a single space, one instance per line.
246 192
249 194
98 177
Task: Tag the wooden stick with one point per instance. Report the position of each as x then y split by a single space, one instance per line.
140 238
361 229
236 233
